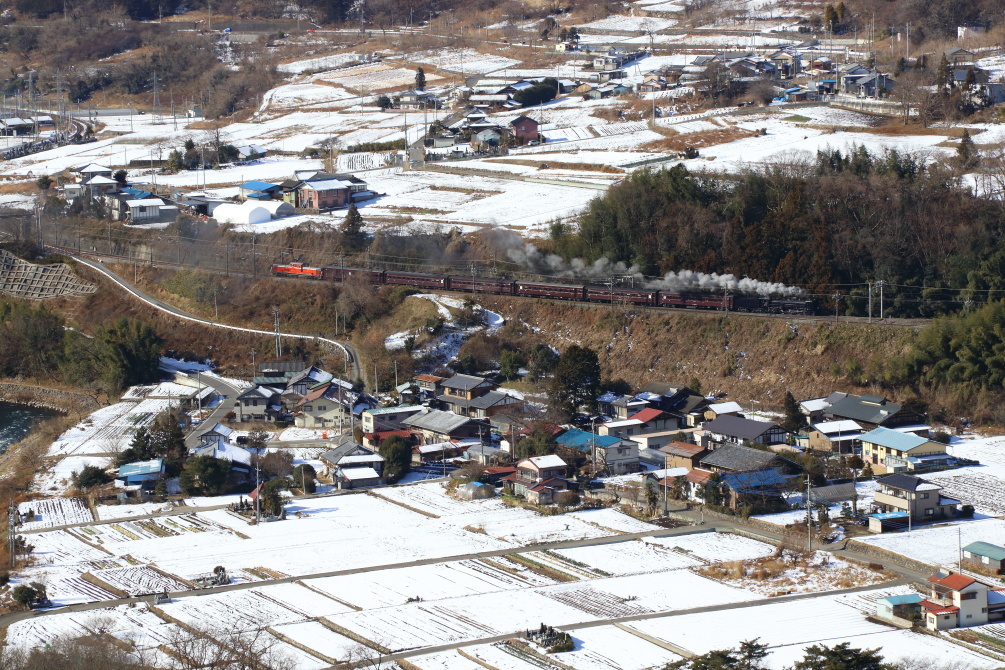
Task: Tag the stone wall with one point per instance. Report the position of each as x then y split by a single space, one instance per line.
46 398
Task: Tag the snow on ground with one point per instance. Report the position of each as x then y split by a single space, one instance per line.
293 96
125 511
613 519
610 647
374 77
318 63
789 627
467 61
50 512
939 545
630 23
109 429
865 491
291 434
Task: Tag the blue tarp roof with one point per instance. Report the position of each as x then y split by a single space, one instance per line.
889 515
141 468
258 186
258 195
583 440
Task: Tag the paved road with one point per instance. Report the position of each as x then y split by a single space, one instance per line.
229 394
352 356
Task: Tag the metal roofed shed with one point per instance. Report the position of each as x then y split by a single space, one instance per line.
879 523
986 555
141 471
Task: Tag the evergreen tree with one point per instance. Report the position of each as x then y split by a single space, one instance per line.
842 11
577 379
384 102
510 363
841 657
966 153
353 237
138 449
794 419
943 75
397 456
420 79
206 475
131 354
120 177
830 18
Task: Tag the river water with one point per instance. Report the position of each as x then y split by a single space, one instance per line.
16 422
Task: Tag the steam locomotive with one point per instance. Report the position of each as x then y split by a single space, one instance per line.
575 292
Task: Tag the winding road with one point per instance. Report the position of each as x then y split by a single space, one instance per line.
351 355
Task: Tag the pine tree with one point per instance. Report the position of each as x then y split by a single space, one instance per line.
352 229
794 418
577 379
842 11
966 152
420 79
942 75
830 17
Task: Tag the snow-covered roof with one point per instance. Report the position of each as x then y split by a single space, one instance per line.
551 461
815 404
149 202
360 458
725 407
837 427
353 474
623 424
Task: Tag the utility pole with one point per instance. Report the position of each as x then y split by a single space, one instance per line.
870 301
157 98
258 496
253 352
881 284
809 517
279 336
837 303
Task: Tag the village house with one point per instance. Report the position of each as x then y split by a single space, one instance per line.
86 172
472 396
429 385
956 601
387 418
871 411
813 409
215 434
683 455
733 458
330 404
620 407
258 403
259 190
524 130
906 496
834 437
957 57
540 479
140 474
653 419
731 429
346 447
435 426
609 454
239 458
894 451
438 452
298 384
715 410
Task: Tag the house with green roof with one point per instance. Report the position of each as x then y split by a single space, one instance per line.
891 450
984 556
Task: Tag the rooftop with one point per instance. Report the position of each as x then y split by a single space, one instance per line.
142 468
725 407
907 483
986 549
734 426
550 461
894 439
582 440
377 411
954 581
466 382
739 459
682 449
436 421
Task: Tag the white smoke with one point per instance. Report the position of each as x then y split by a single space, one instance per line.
533 260
552 265
689 280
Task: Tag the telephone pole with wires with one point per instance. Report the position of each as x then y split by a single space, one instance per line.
837 303
279 335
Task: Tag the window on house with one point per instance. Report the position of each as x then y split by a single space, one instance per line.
968 596
923 496
254 403
307 408
322 408
985 560
929 511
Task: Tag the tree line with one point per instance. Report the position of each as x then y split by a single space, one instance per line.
838 222
38 343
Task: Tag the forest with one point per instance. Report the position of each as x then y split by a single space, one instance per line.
832 226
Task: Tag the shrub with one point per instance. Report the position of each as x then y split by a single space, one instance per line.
23 594
89 477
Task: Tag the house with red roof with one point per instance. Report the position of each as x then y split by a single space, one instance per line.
956 601
654 419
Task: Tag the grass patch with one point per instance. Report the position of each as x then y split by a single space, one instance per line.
542 569
797 118
581 167
698 140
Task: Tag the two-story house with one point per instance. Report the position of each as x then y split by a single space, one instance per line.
654 420
834 437
538 479
429 385
729 429
895 451
920 499
955 601
258 403
472 396
715 410
871 411
381 419
331 404
683 455
608 453
435 425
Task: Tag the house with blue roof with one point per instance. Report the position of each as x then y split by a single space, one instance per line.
135 474
610 454
257 189
902 610
890 450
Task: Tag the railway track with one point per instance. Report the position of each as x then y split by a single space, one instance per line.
705 313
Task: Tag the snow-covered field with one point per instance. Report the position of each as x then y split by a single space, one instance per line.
939 545
50 512
466 61
318 63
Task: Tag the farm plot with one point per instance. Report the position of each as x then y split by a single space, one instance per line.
445 660
600 604
467 61
70 590
613 520
323 642
627 558
318 63
78 438
293 96
432 499
981 487
233 611
502 656
939 545
356 162
613 648
472 617
630 24
109 512
300 598
139 580
116 533
714 547
672 590
429 582
375 78
49 512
